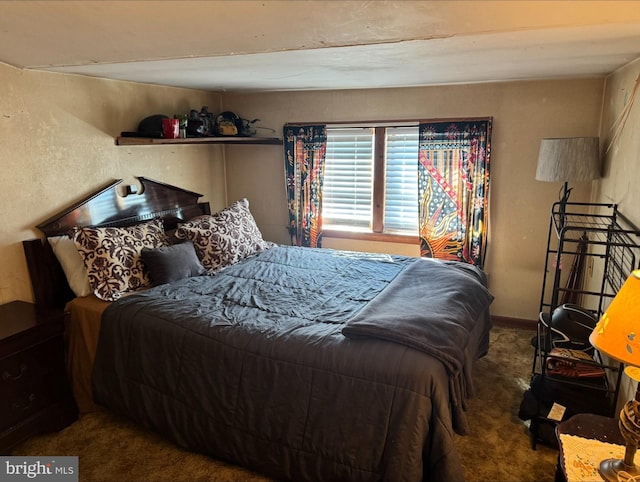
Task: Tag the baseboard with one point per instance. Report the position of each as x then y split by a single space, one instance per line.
520 323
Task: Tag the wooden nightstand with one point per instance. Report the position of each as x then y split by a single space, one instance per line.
587 426
36 397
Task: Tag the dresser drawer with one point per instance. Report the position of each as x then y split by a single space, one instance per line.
23 401
29 380
35 361
34 391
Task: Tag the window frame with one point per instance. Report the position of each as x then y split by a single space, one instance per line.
377 221
377 202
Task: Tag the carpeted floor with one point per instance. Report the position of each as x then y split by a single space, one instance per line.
497 448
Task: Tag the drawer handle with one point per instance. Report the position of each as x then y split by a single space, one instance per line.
8 376
32 398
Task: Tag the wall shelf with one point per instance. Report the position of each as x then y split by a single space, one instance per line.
147 141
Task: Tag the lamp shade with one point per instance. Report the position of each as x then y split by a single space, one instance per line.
617 333
568 159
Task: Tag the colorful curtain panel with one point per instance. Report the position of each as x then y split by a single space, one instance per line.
304 152
453 189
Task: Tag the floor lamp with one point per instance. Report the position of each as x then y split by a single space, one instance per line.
567 159
617 335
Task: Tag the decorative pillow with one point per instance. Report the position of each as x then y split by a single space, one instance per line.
112 256
72 264
225 237
171 263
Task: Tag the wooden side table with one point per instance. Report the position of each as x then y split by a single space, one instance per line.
36 397
588 426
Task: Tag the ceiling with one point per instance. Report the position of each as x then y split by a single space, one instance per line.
252 46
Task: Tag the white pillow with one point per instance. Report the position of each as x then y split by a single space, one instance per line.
72 264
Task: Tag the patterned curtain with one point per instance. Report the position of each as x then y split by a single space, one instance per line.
304 152
453 190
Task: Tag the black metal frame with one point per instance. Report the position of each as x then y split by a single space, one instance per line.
612 252
611 237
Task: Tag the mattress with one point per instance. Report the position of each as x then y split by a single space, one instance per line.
256 364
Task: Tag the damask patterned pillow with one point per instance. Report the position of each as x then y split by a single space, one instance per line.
224 238
112 256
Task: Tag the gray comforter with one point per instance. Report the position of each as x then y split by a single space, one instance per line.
252 365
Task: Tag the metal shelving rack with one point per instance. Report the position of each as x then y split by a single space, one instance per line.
599 242
598 232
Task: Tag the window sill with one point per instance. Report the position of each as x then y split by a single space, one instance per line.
381 237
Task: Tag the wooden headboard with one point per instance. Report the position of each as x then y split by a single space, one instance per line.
112 205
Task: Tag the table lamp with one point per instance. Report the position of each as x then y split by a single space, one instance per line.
568 159
617 335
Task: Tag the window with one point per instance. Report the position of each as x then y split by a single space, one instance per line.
370 180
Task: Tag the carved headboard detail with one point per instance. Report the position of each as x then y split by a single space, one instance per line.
104 207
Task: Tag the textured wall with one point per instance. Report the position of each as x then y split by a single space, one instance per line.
523 112
57 146
57 132
621 165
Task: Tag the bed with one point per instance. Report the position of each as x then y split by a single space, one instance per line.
302 364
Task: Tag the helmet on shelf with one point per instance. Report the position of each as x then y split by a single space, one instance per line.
570 326
227 124
151 126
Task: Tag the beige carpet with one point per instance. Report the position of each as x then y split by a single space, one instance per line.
497 448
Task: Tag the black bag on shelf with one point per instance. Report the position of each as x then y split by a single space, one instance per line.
544 392
588 397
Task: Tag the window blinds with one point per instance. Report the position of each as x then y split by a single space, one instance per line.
347 193
401 180
348 180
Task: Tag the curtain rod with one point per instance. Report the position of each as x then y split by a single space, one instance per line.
395 122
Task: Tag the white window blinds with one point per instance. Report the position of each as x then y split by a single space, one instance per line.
348 179
401 180
347 201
